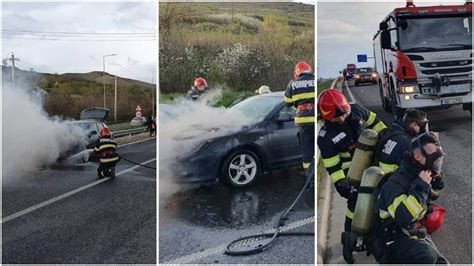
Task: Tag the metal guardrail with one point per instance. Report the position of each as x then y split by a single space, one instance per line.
133 131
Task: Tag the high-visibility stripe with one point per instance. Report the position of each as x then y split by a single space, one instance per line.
306 165
383 214
388 168
338 175
379 127
96 149
346 165
349 214
305 119
370 120
303 96
287 100
437 192
108 160
331 162
105 146
345 155
410 202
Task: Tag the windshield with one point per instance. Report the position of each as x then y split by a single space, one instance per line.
364 70
256 108
431 34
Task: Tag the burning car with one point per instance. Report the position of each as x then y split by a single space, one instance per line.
268 142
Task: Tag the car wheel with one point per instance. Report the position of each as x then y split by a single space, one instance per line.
240 169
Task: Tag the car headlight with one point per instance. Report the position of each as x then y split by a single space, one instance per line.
357 76
202 146
408 89
374 75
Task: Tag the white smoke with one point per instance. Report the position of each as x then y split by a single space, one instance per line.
32 139
186 125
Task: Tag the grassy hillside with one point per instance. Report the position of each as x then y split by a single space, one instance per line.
68 94
238 46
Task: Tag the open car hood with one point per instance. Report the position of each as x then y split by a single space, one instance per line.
96 113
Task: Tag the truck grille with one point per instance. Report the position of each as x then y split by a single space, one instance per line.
458 71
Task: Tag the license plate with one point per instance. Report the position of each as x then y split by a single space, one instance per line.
452 101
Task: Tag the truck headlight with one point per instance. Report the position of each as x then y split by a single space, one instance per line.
374 75
408 89
357 76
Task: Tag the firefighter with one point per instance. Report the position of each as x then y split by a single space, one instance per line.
106 149
403 202
300 94
394 143
199 88
263 89
343 123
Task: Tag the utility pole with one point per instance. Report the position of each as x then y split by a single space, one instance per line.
103 73
13 59
115 100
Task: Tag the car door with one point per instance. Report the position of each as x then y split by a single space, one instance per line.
283 143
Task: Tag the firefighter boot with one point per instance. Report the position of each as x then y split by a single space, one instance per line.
349 241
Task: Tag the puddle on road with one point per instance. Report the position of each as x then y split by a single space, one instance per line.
218 206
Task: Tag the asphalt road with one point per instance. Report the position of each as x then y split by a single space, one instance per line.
197 222
110 222
454 239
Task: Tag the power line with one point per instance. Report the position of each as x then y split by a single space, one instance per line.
81 40
77 33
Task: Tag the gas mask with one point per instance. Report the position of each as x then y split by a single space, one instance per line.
434 161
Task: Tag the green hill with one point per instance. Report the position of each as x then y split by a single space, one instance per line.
67 94
236 45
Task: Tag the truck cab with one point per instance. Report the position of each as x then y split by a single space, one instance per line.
423 57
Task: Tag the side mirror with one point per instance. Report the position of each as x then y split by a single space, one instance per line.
383 26
403 24
284 118
385 40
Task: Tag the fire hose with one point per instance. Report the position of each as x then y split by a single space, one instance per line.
139 164
274 235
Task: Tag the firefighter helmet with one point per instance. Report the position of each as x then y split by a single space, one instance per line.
263 89
434 219
200 84
300 68
104 132
332 103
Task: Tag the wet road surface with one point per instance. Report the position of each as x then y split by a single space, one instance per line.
110 222
455 127
197 222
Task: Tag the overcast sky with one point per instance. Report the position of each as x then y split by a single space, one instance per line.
135 59
346 29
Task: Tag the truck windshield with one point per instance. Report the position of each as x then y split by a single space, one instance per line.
433 34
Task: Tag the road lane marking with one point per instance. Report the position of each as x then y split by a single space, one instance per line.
135 142
67 194
221 248
351 96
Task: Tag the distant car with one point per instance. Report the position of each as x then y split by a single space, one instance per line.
269 142
138 121
365 75
350 71
86 133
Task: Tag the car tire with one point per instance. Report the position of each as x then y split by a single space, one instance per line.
240 169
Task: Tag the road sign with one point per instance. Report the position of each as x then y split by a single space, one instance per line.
361 58
138 111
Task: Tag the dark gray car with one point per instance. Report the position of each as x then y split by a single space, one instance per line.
270 142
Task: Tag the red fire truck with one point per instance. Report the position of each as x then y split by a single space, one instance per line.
423 57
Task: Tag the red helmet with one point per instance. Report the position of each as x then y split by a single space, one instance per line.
300 68
200 83
104 132
332 103
434 219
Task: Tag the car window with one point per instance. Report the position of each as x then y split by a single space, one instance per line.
287 112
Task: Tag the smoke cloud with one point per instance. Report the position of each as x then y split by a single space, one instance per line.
32 139
185 125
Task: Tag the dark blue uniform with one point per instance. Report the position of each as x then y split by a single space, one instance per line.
394 143
337 144
402 202
300 94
